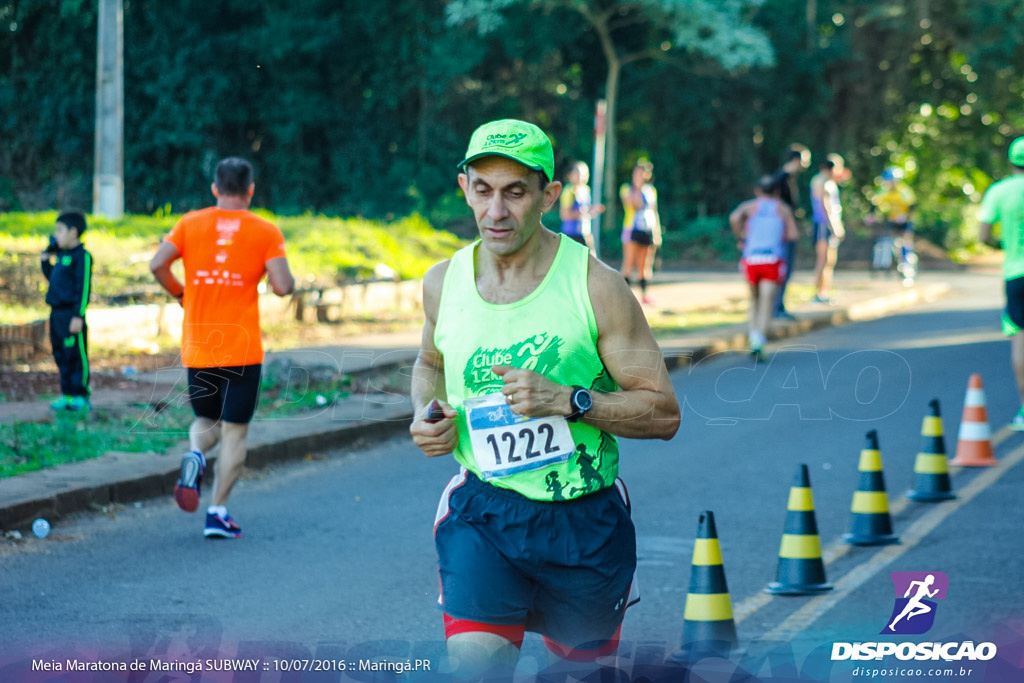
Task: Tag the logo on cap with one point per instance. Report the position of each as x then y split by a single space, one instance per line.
518 140
504 140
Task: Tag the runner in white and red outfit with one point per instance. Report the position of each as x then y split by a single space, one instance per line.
763 226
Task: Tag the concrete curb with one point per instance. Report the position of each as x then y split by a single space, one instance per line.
121 478
678 353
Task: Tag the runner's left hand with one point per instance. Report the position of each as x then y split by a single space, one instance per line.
531 394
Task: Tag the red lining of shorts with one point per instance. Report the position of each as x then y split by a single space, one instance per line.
575 655
511 632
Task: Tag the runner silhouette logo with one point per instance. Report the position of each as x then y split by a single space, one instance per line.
916 593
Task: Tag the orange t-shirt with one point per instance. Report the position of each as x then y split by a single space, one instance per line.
225 255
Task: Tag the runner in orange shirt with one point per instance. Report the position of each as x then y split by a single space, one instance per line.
226 250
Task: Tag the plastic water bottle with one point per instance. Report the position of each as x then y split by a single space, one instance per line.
41 528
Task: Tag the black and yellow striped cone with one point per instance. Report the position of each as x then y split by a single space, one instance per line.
708 626
801 570
931 466
871 523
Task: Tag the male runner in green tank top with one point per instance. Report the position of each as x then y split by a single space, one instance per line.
538 356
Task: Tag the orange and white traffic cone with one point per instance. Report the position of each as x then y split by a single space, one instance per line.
974 445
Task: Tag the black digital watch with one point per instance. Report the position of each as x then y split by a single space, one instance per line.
580 401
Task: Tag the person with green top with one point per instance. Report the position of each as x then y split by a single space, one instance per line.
1003 203
535 356
70 284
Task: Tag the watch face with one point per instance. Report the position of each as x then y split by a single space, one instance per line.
583 400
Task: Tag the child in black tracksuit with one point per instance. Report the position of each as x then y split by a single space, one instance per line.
70 284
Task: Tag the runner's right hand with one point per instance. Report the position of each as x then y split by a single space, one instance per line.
435 435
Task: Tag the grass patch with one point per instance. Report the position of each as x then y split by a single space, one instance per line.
666 325
300 394
73 437
20 314
322 251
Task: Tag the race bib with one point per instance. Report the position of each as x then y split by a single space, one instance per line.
505 443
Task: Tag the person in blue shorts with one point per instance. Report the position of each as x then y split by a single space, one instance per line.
576 208
535 356
828 231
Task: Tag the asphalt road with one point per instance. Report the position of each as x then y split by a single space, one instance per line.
337 560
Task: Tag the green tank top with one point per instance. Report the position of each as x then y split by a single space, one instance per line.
551 331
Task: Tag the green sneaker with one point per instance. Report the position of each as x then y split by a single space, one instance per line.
79 403
61 403
1017 423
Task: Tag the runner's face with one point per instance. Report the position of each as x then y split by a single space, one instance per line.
507 202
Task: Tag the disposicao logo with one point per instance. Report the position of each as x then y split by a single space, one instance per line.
913 614
916 593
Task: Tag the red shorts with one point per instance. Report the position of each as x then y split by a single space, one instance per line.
774 271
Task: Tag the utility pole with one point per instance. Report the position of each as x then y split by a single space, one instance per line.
108 171
600 124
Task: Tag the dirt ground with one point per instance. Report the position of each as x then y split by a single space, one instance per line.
39 379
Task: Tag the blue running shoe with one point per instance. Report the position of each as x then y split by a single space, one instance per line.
221 527
186 491
61 403
79 404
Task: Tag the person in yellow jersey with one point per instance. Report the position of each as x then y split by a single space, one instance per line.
641 226
895 201
535 356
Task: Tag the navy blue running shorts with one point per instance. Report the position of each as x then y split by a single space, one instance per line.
1015 303
229 394
561 569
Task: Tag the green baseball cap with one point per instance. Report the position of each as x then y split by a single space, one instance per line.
516 140
1016 153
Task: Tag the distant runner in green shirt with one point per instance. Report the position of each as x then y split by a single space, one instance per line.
1004 204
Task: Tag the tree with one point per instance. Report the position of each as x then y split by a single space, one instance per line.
629 31
47 99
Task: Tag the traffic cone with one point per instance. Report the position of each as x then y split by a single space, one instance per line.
708 626
930 466
974 445
871 523
801 570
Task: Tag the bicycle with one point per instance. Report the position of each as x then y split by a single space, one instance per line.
893 253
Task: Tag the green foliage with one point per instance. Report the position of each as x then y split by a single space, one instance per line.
351 109
707 239
47 80
73 437
345 249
